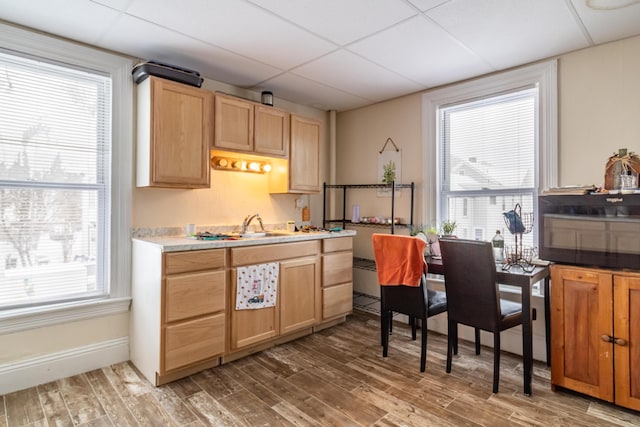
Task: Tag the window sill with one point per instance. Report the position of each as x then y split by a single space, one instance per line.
31 318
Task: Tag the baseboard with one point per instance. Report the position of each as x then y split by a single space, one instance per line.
43 369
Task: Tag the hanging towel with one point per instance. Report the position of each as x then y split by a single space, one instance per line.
399 259
257 286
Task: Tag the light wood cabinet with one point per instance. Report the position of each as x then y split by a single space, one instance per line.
178 314
271 131
337 277
595 333
249 127
233 123
302 174
298 292
174 134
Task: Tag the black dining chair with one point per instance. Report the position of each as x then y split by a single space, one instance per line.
403 287
473 296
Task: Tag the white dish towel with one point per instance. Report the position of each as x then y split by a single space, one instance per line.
257 286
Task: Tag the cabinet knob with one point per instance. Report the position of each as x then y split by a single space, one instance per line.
606 338
620 341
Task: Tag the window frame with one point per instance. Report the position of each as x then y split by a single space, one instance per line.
119 247
543 75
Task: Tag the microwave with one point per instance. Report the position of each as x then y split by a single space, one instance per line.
601 230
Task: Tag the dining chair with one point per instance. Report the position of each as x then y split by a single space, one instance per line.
401 271
473 296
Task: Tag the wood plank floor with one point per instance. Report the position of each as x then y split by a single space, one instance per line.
336 377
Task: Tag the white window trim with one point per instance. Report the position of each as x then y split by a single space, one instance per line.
119 68
544 74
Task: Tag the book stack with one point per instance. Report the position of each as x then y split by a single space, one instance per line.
571 189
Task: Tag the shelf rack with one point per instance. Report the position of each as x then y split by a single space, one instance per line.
345 221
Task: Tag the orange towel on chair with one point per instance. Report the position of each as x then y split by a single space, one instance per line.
399 259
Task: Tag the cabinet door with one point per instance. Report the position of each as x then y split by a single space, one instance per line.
271 133
581 320
304 156
233 123
299 294
181 135
627 352
251 326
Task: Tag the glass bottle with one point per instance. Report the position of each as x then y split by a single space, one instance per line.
498 246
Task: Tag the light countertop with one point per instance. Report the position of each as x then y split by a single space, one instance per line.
182 243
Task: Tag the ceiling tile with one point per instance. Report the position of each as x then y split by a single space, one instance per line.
165 46
421 51
307 92
507 33
334 19
352 74
79 20
609 20
424 5
237 26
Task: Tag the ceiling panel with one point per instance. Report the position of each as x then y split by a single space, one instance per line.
73 19
164 45
507 33
236 26
608 20
290 86
352 74
334 54
341 21
421 51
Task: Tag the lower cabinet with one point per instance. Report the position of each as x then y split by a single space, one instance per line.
595 333
337 277
298 295
183 313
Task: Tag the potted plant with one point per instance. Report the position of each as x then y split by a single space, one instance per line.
448 227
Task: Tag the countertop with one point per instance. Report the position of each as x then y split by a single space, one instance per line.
181 243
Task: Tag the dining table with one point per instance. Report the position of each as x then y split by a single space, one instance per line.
525 279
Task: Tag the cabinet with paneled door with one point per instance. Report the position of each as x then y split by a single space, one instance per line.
175 132
595 333
248 127
298 299
178 311
302 174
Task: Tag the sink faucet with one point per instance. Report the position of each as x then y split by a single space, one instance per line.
248 220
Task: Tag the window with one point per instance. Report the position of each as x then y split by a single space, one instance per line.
493 144
63 126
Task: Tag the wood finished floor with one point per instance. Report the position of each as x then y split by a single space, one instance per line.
336 377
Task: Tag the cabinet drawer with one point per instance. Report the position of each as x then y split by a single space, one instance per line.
194 294
337 244
268 253
194 341
337 268
337 300
180 262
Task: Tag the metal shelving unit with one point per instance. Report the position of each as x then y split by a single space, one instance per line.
344 187
364 263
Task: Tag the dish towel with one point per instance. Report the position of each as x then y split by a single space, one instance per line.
257 286
399 259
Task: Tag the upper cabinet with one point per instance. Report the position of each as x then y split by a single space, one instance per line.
233 123
271 131
174 134
304 156
242 125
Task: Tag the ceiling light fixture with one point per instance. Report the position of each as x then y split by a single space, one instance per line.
240 165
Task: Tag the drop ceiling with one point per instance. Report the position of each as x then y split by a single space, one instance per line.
335 54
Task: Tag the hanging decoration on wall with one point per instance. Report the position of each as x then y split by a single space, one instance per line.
389 168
